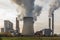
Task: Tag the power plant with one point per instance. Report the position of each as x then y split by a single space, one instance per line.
28 26
29 14
29 10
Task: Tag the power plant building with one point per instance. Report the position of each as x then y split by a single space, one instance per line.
8 26
47 32
2 29
28 26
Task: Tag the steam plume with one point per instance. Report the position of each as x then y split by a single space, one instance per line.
36 12
55 4
27 6
28 9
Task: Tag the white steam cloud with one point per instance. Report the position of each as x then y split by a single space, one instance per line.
27 8
36 11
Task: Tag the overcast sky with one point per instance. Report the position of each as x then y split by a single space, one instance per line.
8 12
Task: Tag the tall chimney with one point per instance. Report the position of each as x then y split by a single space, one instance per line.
52 23
17 26
49 23
28 26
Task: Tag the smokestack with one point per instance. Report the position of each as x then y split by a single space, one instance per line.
17 26
49 23
28 26
55 4
52 23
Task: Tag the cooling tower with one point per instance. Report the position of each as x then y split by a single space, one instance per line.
28 26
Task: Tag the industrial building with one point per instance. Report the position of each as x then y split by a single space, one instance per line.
8 26
47 32
39 33
28 26
2 30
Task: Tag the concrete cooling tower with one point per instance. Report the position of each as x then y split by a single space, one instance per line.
28 26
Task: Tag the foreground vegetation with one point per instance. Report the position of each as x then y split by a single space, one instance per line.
8 36
29 38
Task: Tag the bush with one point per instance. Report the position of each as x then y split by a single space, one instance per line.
6 34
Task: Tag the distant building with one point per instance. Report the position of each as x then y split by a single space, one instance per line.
39 33
17 26
47 32
2 29
8 26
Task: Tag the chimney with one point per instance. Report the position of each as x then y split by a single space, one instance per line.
52 23
49 23
17 26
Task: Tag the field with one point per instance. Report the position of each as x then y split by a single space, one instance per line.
29 38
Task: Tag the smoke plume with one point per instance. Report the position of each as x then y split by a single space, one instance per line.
36 11
55 4
27 8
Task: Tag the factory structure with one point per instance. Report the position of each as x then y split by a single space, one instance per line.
28 20
8 26
28 24
2 30
28 14
45 32
28 27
